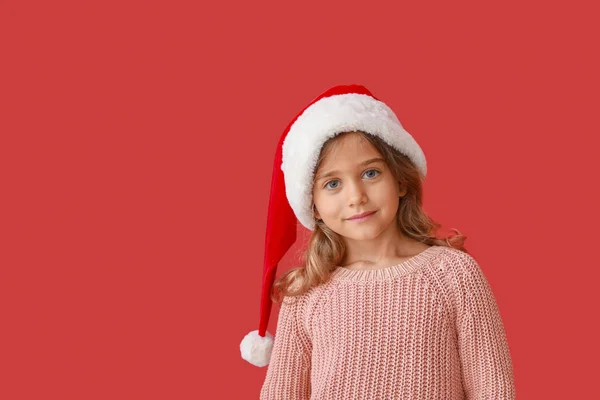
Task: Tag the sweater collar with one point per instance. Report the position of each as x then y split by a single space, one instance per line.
403 268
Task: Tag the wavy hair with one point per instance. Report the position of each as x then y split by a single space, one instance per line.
326 249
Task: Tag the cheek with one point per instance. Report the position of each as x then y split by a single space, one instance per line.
329 207
326 205
388 196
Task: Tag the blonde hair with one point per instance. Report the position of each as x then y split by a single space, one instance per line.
326 249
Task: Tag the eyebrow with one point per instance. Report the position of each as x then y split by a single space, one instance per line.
367 162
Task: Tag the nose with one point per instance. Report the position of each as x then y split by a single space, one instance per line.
356 193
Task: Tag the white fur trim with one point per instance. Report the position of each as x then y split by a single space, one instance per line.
326 118
257 349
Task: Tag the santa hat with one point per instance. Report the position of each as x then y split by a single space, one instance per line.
343 108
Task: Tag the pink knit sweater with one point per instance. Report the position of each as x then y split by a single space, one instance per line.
427 328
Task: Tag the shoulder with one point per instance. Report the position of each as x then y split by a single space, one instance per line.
457 261
455 254
457 270
464 275
304 305
461 277
304 299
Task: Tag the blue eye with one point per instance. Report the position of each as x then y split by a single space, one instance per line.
373 170
327 184
335 180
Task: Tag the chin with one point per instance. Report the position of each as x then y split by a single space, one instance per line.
361 237
362 233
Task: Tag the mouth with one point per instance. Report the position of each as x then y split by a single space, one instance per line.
362 217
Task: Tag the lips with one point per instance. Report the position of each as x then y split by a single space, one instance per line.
357 216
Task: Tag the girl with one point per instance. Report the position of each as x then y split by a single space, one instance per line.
381 308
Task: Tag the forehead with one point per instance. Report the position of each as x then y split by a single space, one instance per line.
346 151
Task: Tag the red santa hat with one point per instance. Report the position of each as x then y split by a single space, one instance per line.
343 108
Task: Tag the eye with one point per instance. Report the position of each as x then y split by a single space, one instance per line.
329 187
373 170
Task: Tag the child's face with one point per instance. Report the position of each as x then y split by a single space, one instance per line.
355 188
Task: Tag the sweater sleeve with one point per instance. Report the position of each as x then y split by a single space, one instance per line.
486 364
288 372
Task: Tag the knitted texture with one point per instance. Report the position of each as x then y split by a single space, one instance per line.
427 328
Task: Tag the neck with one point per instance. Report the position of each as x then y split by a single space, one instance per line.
391 244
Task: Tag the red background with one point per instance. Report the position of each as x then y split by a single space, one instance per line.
136 150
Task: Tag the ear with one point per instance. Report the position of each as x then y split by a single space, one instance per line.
317 215
402 190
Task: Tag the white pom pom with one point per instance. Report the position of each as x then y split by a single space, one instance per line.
257 349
